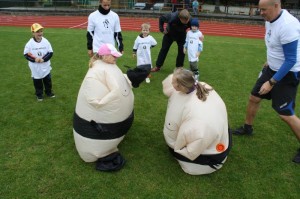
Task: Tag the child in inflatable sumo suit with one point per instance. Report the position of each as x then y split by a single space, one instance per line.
104 110
196 127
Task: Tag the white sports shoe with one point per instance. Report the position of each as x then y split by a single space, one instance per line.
148 80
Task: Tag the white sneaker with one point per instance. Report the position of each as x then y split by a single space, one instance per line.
148 80
39 98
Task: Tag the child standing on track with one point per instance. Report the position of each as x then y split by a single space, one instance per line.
38 52
142 45
194 46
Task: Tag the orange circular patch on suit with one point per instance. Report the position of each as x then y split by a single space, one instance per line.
220 147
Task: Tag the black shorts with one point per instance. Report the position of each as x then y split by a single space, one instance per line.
284 92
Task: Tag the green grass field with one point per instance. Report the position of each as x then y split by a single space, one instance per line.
38 157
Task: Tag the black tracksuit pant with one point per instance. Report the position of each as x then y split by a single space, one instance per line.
167 41
39 85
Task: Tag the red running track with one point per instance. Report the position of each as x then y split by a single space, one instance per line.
133 24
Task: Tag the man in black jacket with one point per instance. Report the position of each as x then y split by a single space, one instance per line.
177 24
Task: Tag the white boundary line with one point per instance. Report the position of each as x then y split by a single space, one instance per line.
78 25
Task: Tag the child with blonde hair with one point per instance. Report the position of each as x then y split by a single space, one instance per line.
38 51
142 47
104 111
198 146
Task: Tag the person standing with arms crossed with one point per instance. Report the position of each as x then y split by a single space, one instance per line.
103 27
280 76
177 24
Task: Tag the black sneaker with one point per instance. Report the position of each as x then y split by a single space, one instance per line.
112 162
51 95
297 157
243 131
39 98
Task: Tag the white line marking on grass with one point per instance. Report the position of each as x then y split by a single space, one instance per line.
48 32
237 43
78 25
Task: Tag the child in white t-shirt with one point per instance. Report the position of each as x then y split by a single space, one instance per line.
38 51
194 46
142 45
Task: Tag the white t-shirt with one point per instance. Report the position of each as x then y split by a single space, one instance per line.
285 29
143 46
104 27
38 50
192 44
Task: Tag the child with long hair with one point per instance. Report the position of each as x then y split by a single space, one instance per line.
196 126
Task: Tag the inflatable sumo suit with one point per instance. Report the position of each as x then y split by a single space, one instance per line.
103 113
196 131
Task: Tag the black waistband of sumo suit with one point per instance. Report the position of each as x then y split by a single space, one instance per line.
212 160
93 130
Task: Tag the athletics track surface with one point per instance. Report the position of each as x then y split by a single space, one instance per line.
133 24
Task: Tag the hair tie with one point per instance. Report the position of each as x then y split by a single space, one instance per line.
196 83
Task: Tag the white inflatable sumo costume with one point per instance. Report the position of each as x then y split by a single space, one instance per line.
104 111
196 131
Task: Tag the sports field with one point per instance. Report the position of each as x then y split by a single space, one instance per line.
38 157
